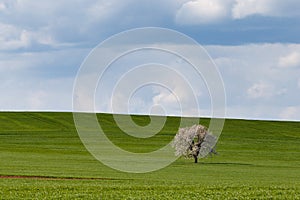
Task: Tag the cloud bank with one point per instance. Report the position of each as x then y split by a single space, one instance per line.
255 44
213 11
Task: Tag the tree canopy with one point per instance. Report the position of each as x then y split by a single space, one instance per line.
195 141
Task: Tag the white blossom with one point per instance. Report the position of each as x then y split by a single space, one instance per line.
194 140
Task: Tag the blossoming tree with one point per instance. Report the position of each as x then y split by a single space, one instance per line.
195 141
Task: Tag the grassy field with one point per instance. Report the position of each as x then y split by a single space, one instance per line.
257 160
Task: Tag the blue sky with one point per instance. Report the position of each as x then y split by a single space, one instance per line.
254 43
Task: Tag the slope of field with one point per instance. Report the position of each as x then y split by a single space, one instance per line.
41 156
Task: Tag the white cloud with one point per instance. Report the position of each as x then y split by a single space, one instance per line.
51 23
89 21
101 10
211 11
255 86
260 90
82 22
201 12
264 90
277 8
244 8
290 60
158 86
12 37
165 97
179 101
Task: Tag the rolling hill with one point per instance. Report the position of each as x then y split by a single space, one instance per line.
41 156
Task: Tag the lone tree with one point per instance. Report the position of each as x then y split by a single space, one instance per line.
195 141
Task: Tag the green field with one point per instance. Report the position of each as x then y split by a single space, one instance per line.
257 160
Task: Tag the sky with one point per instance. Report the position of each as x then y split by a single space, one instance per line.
255 45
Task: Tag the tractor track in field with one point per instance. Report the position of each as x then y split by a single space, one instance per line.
54 178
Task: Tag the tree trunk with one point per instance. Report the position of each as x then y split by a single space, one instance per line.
196 159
